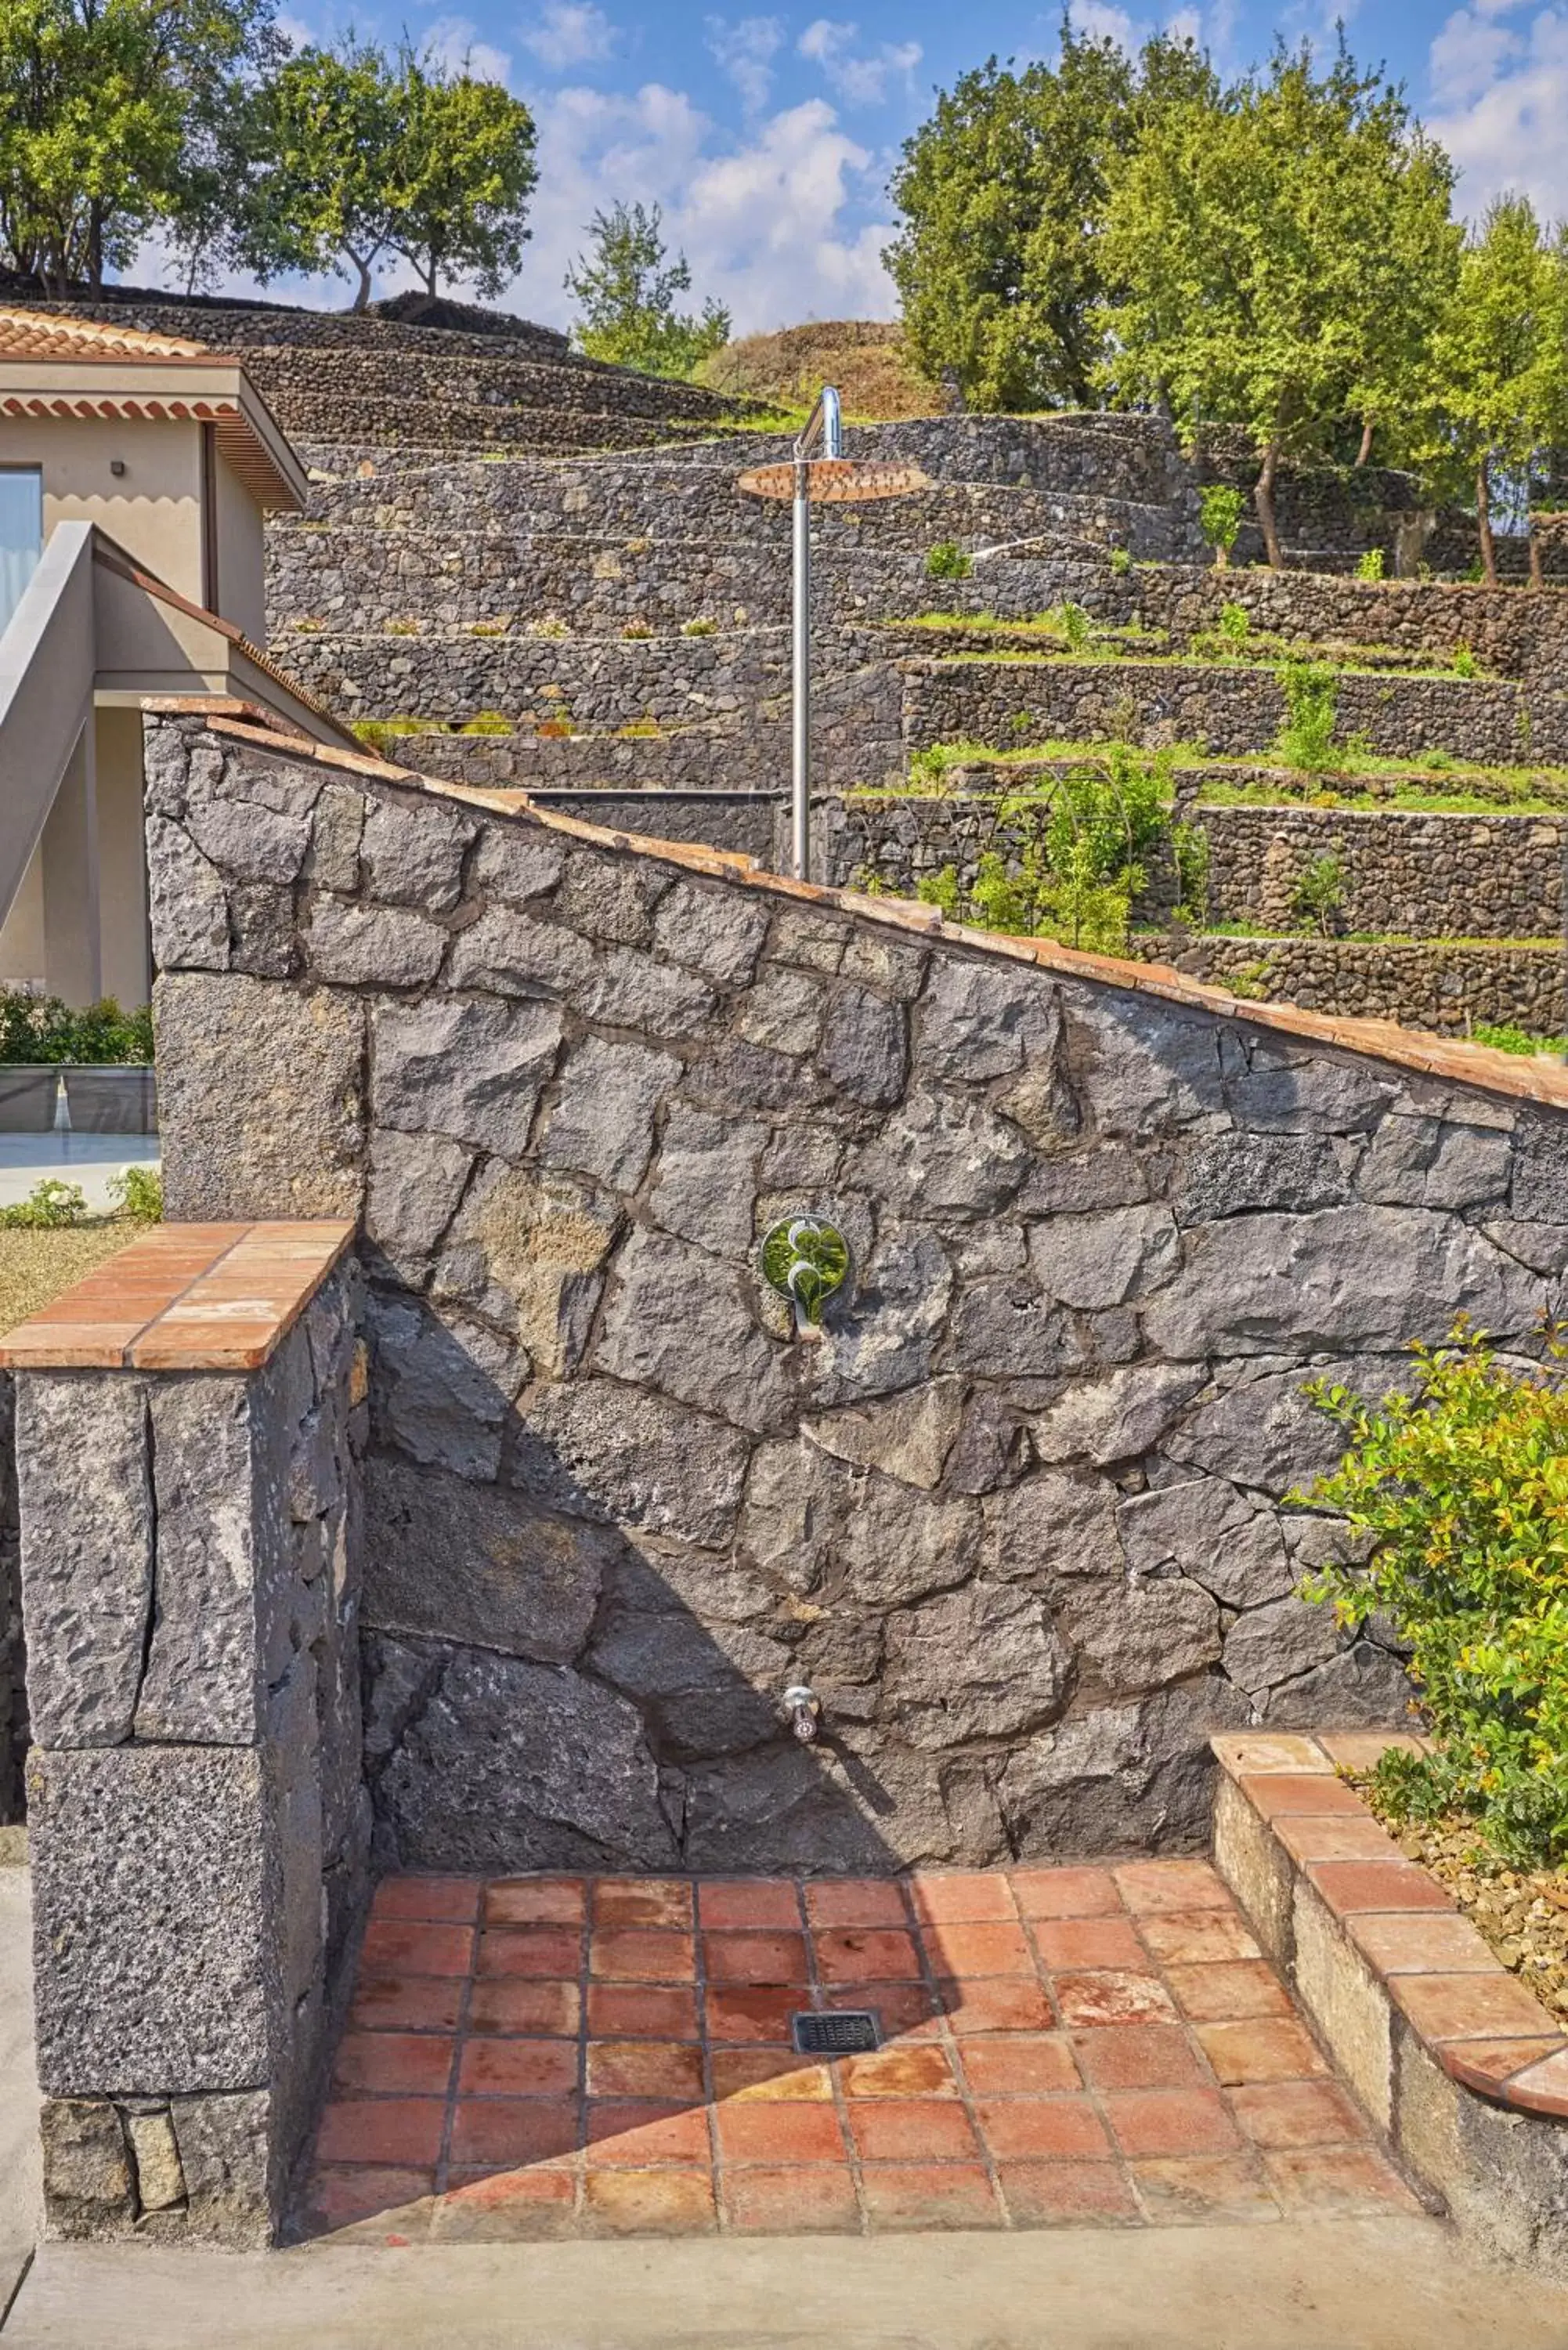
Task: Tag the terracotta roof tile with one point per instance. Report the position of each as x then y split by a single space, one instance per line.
41 335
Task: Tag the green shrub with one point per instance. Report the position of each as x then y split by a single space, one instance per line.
48 1206
487 722
40 1028
942 891
1370 565
947 560
1121 561
1220 512
1305 741
138 1192
1465 663
1515 1040
1318 892
634 631
1462 1489
1234 624
1190 853
699 628
1070 623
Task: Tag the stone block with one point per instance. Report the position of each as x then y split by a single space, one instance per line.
719 933
1054 1525
1345 2000
1234 1174
155 1895
516 862
1100 1259
907 1436
900 1545
371 946
1003 1328
1307 1096
204 1669
1121 1778
1428 1162
415 1182
1146 1067
188 907
479 1564
337 829
1142 1636
783 1011
85 1495
527 1252
612 898
414 851
685 1324
883 1335
441 1387
628 990
705 1182
601 1121
262 933
864 1049
466 1070
982 1662
155 2159
1204 1528
89 2189
508 953
1074 1182
1362 1687
247 839
939 1155
1264 1432
1257 1868
976 1021
1118 1416
1277 1642
621 1456
234 2158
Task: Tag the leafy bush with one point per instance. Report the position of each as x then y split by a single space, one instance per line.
1121 561
1220 512
40 1028
1318 892
1234 624
699 628
1462 1490
636 630
48 1206
487 722
1370 565
1305 741
942 891
1190 853
1515 1040
138 1192
947 560
1070 623
1465 663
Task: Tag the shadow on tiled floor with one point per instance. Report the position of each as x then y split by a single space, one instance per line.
556 2056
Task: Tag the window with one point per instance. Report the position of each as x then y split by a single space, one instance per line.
21 532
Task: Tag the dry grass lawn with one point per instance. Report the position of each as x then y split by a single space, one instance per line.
864 357
35 1267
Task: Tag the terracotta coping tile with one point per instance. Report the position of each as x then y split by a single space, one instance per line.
1358 1750
1485 2066
1470 2007
184 1297
1420 1943
1542 2087
1335 1835
1308 1791
1348 1886
1254 1756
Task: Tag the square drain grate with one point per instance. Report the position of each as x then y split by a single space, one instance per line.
849 2031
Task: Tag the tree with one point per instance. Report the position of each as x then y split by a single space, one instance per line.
999 261
626 289
107 109
322 138
462 173
1499 363
1281 253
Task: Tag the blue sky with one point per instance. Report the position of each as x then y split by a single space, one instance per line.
767 135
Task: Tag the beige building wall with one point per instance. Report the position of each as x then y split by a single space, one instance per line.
121 858
22 935
153 509
238 544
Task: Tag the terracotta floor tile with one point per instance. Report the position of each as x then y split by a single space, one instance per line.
767 2074
1435 1943
635 1954
911 2129
1156 2122
505 2207
1468 2007
1339 1838
641 2012
512 2130
1339 2182
640 2131
1262 2048
385 2130
407 2002
1066 1893
663 1901
742 2013
650 2203
1066 2194
1088 1942
1003 2003
773 2130
748 1903
1062 2129
856 1901
530 2004
902 2010
346 2197
429 1900
518 2068
1348 1886
555 1950
535 1901
804 2200
1212 2187
1197 1937
1228 1991
962 1896
903 2196
965 1951
1033 2065
1113 1997
1280 2113
863 1954
392 1948
755 1958
1146 1886
1138 2056
393 2064
913 2069
644 2068
1283 1792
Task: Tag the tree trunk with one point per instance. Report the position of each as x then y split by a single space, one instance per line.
1264 499
1484 522
1368 428
1537 567
362 293
95 249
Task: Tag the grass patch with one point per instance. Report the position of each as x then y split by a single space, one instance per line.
35 1267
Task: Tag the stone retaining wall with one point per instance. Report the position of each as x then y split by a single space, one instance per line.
1017 1516
1434 985
13 1655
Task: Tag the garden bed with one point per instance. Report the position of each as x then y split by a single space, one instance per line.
1521 1914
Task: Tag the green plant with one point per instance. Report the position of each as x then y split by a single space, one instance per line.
626 288
1234 623
1189 854
41 1028
1318 892
548 624
1121 561
699 628
138 1192
1465 663
948 560
488 628
48 1206
402 627
1220 511
1250 981
487 722
1369 566
1515 1040
941 889
1462 1489
1070 623
1305 741
635 629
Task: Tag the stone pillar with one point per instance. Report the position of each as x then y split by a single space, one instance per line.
189 1432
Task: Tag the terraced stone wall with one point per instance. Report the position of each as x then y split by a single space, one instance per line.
1017 1515
1434 983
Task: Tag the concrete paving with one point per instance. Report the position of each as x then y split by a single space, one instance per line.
92 1160
20 2190
1398 2284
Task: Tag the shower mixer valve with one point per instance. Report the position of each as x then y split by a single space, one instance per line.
802 1709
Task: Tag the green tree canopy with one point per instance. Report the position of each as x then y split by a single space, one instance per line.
316 153
626 289
462 173
1499 379
999 262
108 112
1280 253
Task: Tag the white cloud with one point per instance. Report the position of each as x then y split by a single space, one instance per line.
858 79
1500 95
746 51
453 44
567 33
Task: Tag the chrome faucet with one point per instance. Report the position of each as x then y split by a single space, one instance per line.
802 1709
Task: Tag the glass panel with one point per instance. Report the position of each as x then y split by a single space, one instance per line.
21 534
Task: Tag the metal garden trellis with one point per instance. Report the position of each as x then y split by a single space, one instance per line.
832 479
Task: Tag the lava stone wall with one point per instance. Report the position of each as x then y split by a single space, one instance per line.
1434 985
13 1654
1018 1516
